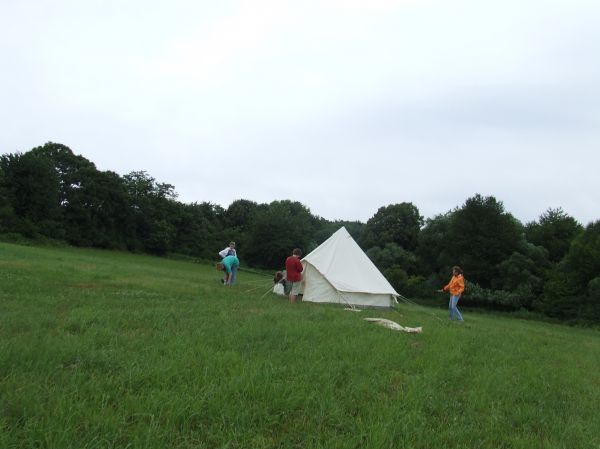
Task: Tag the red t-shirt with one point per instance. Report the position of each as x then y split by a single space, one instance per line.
293 268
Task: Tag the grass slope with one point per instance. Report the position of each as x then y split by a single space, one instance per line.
109 350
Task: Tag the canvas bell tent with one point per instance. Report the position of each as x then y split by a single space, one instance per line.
338 271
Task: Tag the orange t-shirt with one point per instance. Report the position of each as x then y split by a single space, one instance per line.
456 285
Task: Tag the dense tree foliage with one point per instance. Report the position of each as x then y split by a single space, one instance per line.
8 218
393 255
551 265
33 191
396 223
432 250
481 236
554 231
276 229
198 230
573 290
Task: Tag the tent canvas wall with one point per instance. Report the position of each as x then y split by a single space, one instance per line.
338 271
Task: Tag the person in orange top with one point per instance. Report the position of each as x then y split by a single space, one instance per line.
456 287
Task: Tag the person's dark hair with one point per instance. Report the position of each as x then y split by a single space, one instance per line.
457 268
297 252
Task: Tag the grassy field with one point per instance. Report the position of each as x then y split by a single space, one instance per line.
101 349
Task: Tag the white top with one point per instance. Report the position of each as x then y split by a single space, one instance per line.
224 252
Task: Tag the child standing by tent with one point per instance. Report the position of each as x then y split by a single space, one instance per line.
456 287
293 268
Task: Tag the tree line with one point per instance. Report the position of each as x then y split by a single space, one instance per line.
550 265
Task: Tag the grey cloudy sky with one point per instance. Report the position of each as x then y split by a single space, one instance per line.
343 105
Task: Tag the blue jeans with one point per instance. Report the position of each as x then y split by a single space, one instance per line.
453 309
234 270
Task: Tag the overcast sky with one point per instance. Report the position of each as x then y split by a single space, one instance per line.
343 105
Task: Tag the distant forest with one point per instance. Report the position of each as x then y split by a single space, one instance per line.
550 266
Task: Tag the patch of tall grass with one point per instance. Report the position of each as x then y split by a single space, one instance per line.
102 349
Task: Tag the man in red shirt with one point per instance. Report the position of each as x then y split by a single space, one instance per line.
293 268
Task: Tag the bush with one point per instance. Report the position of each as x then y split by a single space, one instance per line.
478 296
392 255
397 277
418 287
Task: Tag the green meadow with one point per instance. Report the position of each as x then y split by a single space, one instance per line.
102 349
